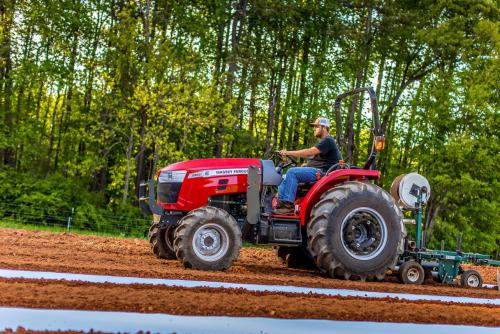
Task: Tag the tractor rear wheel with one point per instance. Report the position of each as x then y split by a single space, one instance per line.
356 231
295 257
207 238
161 241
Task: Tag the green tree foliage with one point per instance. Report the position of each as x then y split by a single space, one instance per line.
98 93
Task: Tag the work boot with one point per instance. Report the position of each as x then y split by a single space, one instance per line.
284 208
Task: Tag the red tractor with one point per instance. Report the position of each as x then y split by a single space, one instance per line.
344 224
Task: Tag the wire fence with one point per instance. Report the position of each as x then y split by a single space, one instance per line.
74 219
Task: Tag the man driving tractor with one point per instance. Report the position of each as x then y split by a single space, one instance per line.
321 157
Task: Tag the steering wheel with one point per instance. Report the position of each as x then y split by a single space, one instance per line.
284 162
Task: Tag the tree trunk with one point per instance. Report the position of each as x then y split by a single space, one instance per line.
254 80
363 63
303 87
272 98
237 23
141 157
289 91
7 9
51 137
69 96
221 24
410 130
129 158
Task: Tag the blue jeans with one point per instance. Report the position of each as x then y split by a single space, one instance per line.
287 190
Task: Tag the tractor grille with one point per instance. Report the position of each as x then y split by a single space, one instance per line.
169 192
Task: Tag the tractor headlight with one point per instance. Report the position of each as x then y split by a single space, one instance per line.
170 176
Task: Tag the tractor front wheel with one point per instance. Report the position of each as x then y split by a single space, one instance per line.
161 241
355 231
207 238
166 241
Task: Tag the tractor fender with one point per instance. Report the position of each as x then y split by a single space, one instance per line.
329 181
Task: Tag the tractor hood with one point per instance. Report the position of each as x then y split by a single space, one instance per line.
199 165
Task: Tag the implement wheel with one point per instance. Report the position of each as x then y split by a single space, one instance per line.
355 231
411 272
471 279
207 238
161 241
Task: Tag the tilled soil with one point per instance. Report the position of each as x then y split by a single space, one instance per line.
236 302
67 252
87 254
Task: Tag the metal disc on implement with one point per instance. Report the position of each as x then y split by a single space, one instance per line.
405 190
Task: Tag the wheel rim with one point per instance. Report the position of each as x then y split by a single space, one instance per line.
473 281
363 233
210 242
413 275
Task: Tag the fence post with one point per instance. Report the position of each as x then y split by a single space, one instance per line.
69 218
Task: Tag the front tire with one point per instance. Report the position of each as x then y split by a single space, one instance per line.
207 238
161 241
355 231
166 242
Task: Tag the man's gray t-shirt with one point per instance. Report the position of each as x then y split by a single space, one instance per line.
328 156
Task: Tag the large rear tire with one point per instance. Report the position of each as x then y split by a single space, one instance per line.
207 238
356 231
161 241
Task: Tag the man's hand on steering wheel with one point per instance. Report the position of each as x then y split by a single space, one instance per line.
283 155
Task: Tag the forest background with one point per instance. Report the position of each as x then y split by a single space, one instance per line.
97 94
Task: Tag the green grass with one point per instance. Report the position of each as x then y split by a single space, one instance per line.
250 245
8 223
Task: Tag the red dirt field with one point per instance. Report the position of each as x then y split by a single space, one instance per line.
67 252
236 302
87 254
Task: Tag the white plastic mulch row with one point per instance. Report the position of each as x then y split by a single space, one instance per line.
38 319
7 273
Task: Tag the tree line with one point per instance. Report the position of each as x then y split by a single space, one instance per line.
103 92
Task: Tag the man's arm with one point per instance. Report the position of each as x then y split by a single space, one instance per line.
305 153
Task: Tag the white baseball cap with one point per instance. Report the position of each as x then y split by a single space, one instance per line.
321 121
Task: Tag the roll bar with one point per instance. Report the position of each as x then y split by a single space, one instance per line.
377 130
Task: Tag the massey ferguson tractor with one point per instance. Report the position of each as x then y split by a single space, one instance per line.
343 223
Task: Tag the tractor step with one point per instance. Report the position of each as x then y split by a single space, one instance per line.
285 216
279 230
